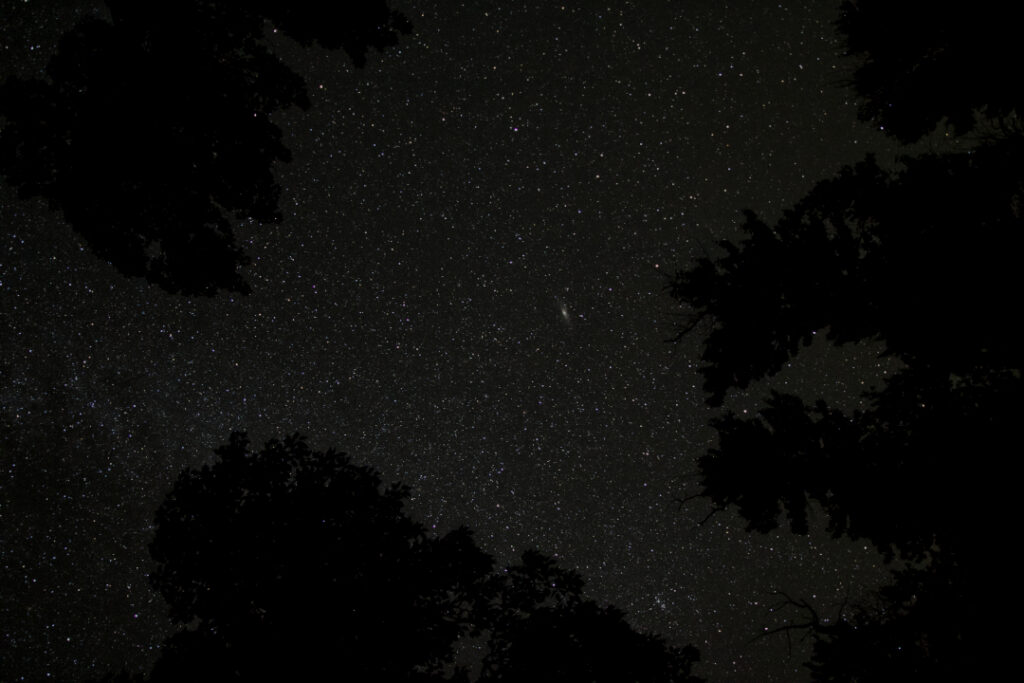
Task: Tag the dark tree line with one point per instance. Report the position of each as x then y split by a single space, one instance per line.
152 131
289 564
926 260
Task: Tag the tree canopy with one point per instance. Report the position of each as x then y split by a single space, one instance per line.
291 564
923 259
922 67
541 629
295 562
152 132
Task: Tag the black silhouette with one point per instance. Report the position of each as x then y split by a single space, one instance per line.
152 132
926 261
289 564
543 631
870 255
294 565
928 625
923 68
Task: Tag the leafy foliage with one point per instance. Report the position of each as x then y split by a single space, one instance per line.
925 260
870 255
152 133
924 66
290 564
543 630
293 561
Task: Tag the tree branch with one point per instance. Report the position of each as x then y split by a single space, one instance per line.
813 621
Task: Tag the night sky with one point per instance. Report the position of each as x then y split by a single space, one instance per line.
466 292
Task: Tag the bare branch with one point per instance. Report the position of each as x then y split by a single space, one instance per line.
692 474
686 499
812 622
693 322
717 508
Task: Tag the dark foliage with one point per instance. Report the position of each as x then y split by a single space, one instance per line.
289 564
292 564
544 632
928 625
152 133
924 260
354 27
925 65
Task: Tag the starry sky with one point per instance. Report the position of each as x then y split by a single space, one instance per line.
466 292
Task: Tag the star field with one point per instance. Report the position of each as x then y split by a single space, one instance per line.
466 294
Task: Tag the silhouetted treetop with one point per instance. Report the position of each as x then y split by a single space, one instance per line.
926 261
152 133
928 625
354 27
583 643
289 560
886 473
543 630
872 255
290 564
923 64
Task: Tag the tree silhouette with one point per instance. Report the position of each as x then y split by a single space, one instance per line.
294 564
928 625
152 132
870 255
925 260
290 564
544 631
921 68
